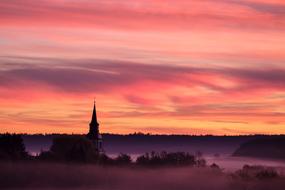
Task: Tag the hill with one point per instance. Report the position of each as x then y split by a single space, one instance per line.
266 147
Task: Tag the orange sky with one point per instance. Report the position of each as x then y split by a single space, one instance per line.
164 66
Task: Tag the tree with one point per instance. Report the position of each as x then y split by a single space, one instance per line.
123 159
73 149
169 159
12 147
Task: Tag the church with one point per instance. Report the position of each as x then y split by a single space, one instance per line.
94 134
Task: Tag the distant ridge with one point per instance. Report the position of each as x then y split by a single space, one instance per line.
140 143
266 147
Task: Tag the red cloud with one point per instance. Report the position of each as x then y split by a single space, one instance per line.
146 15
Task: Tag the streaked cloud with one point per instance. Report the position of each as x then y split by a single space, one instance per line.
209 66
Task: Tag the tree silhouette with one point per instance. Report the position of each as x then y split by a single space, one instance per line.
256 172
123 160
12 147
71 149
169 159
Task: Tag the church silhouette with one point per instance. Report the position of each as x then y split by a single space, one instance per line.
94 134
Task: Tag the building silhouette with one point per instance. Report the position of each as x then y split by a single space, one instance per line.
94 134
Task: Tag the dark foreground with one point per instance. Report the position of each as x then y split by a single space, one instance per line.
38 175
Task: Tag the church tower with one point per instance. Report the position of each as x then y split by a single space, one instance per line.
94 133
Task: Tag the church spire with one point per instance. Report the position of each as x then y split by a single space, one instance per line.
94 115
94 134
94 125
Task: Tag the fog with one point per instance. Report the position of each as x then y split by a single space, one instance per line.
230 163
214 149
62 176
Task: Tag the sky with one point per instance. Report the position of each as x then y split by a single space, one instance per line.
154 66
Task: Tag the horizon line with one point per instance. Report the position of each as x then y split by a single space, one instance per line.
147 134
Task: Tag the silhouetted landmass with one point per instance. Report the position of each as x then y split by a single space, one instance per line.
266 147
140 143
80 149
173 170
12 147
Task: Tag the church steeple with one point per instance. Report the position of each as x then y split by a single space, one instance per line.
94 116
94 125
94 134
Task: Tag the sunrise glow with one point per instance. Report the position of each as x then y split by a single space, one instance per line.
163 67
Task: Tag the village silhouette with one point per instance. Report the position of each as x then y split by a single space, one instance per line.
71 152
89 149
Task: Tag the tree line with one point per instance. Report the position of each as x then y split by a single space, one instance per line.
79 149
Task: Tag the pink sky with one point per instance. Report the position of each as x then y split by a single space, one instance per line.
164 66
